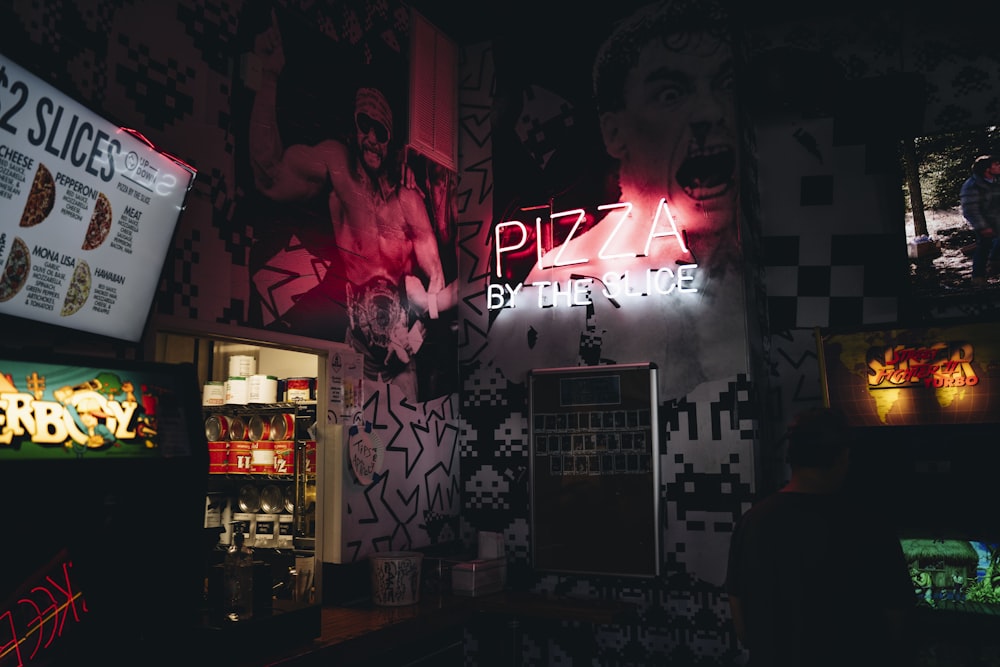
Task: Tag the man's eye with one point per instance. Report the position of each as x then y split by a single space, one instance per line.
668 94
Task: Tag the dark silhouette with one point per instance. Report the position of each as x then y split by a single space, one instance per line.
797 555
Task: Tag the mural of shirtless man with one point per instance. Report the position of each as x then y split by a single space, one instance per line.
384 236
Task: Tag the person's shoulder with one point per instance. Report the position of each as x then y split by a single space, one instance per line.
413 207
768 505
332 149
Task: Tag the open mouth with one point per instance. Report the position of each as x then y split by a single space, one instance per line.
707 173
372 156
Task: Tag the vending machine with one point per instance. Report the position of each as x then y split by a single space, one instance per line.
102 482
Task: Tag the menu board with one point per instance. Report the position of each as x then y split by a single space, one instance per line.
595 470
87 211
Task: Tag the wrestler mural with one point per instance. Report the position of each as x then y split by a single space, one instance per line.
357 253
354 242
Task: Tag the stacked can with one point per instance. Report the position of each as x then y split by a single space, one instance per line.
309 466
217 434
300 389
239 447
283 435
261 446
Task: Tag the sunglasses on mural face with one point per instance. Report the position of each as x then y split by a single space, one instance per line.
366 124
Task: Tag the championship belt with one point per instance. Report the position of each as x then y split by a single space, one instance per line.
377 312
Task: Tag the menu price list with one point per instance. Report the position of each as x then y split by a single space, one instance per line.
87 208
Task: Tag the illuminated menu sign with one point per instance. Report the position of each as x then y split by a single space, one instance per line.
52 411
940 375
87 212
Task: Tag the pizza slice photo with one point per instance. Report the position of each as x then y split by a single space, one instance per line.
16 270
79 289
100 223
41 198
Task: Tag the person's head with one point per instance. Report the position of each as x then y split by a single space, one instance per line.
986 165
819 439
663 84
373 122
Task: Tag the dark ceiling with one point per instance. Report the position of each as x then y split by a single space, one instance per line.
475 21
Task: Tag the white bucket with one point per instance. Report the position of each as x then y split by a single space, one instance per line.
236 391
396 578
242 365
213 393
262 389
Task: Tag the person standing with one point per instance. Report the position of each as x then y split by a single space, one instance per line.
797 556
980 202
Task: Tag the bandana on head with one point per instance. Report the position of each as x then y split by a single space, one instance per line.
372 103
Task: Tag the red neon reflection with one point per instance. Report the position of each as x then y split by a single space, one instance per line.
49 608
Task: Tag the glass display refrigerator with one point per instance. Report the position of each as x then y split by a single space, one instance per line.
101 478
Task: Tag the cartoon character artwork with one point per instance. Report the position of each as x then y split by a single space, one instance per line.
86 407
923 587
101 420
52 411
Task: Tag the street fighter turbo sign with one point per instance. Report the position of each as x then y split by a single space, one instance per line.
50 411
940 375
87 211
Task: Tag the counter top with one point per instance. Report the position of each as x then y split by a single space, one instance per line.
350 633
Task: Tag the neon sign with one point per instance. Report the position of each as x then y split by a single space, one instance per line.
577 289
42 615
937 365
